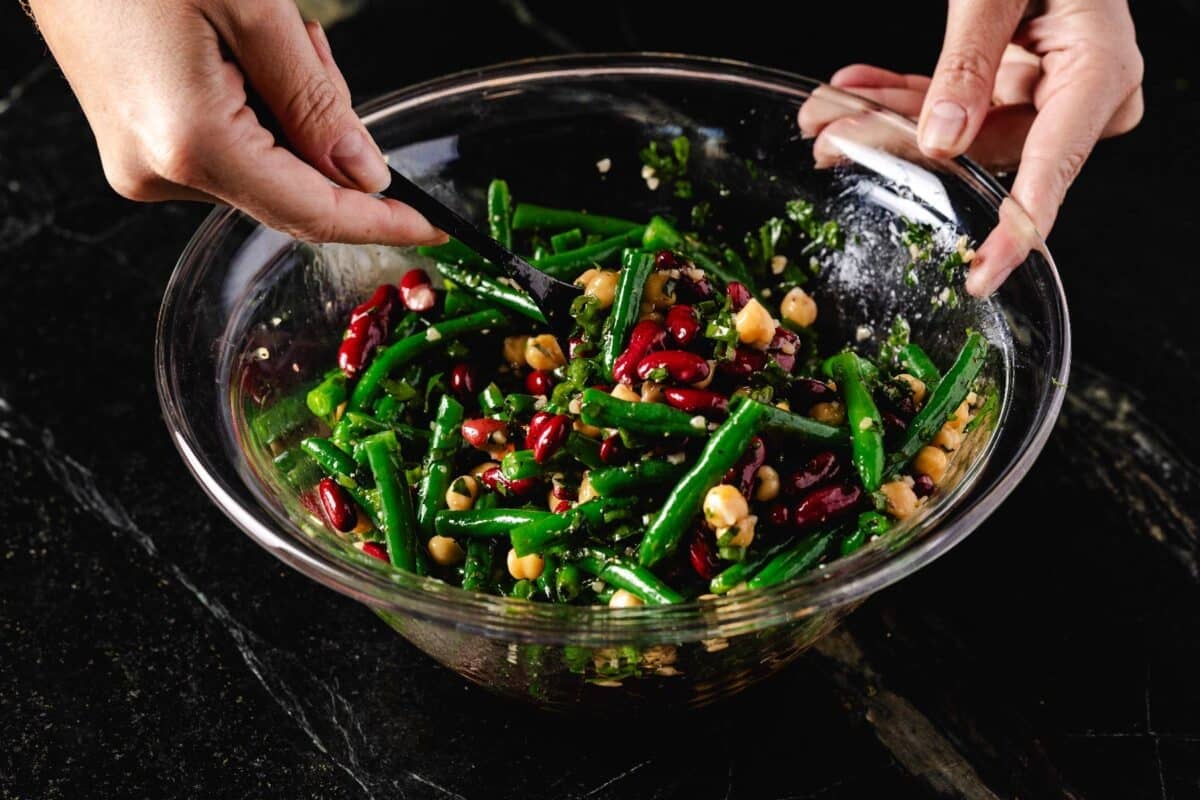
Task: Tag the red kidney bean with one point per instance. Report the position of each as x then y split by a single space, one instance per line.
826 503
562 506
923 486
746 361
550 436
484 432
539 381
538 419
337 505
682 324
561 492
369 325
779 515
820 469
783 348
612 451
703 555
377 550
464 379
739 294
692 285
494 479
647 335
696 401
665 259
681 365
807 391
416 292
742 473
893 425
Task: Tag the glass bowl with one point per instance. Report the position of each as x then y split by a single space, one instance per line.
248 307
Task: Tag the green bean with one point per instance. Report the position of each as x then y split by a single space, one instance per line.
799 558
918 364
787 423
610 568
399 522
439 463
545 582
457 253
285 417
943 401
567 240
492 290
460 302
649 419
533 217
568 583
568 265
336 462
610 481
985 412
584 450
499 205
866 426
491 399
662 235
870 523
324 398
477 569
484 521
720 453
536 535
636 267
737 574
517 404
410 347
519 464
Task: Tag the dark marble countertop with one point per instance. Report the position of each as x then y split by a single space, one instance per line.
149 649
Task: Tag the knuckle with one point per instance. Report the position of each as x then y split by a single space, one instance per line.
314 104
132 183
177 154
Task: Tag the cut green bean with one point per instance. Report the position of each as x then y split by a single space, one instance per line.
792 425
439 463
520 464
567 240
324 398
797 559
336 462
478 567
636 267
528 216
397 517
720 453
733 576
287 416
492 290
920 366
457 253
624 574
568 265
662 235
491 399
866 426
403 351
484 521
500 213
610 481
647 419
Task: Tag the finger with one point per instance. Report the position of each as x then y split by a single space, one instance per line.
824 106
867 75
960 93
1018 77
997 147
903 101
272 45
277 188
320 43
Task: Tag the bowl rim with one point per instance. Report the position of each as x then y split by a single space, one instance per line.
521 620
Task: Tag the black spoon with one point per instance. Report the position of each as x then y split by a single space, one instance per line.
552 296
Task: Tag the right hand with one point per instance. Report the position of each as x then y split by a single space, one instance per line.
163 87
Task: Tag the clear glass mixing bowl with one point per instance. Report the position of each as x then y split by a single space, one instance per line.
247 301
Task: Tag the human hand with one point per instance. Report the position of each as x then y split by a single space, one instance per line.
1034 93
162 83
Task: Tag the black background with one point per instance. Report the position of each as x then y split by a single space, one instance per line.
148 649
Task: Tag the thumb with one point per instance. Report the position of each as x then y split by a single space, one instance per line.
960 93
281 60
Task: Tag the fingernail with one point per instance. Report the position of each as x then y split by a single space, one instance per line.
359 160
943 127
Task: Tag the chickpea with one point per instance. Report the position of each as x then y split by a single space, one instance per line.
514 349
960 417
901 499
766 483
623 392
724 505
528 567
363 523
583 429
743 532
799 308
915 385
754 325
931 461
444 551
586 491
586 276
654 291
831 413
623 598
948 438
784 405
646 311
603 287
462 493
543 352
653 392
482 468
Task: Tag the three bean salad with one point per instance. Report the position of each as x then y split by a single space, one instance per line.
689 439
